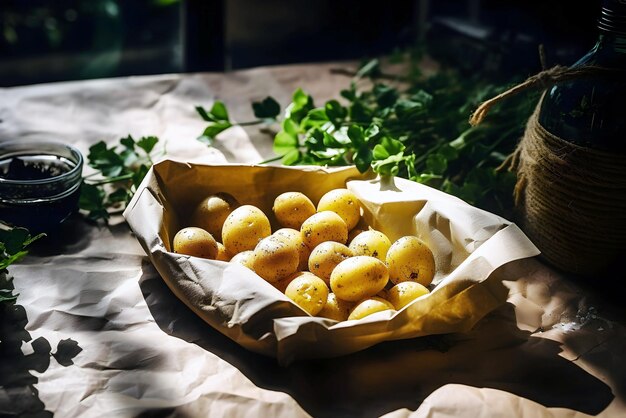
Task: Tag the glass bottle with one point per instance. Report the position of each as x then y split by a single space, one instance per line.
590 111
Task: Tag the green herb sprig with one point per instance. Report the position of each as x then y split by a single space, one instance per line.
120 170
13 247
412 126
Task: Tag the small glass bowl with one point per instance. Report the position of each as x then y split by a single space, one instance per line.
39 183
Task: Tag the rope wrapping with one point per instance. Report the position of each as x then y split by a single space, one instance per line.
572 200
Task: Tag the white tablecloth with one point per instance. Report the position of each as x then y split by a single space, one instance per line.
97 333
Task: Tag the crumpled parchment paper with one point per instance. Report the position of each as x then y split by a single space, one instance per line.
469 244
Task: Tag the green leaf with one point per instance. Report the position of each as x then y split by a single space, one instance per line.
449 152
266 109
388 166
393 146
139 175
330 141
350 94
314 118
128 142
15 239
214 129
356 135
129 157
147 143
436 164
406 109
359 112
290 127
91 197
385 95
380 152
6 261
106 160
300 98
372 131
219 112
363 159
204 114
119 195
284 142
300 107
335 112
314 139
292 157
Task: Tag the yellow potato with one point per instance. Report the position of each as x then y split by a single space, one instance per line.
370 306
325 257
294 236
353 233
293 208
275 258
410 259
282 284
222 254
309 292
358 278
344 203
324 226
404 293
244 228
245 258
195 242
372 243
336 309
211 213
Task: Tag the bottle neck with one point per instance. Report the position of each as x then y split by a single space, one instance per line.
612 29
612 21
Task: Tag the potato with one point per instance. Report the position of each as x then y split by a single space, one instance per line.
282 284
275 258
292 208
309 292
370 306
245 258
323 226
222 254
404 293
355 232
294 236
344 203
325 257
336 309
372 243
212 211
410 259
358 278
244 228
195 242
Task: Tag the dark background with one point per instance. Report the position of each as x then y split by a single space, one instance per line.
43 41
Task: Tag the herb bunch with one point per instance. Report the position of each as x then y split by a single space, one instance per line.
120 170
413 126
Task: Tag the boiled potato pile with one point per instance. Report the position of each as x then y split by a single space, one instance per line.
322 258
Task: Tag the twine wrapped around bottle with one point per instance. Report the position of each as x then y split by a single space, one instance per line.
572 199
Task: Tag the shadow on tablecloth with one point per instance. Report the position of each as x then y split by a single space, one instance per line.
400 374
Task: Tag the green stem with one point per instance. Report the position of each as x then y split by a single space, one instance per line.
112 179
271 160
250 123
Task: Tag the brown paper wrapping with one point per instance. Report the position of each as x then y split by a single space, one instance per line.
469 244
